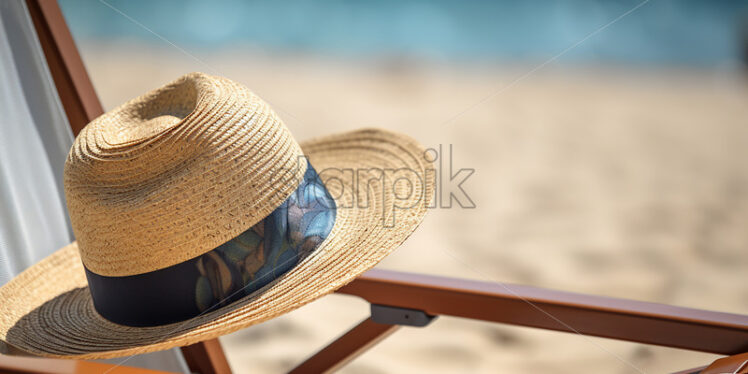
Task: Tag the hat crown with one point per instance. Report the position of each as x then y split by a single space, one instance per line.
175 173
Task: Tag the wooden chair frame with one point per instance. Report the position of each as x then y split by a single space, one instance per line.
635 321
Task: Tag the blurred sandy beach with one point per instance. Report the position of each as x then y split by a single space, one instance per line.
626 182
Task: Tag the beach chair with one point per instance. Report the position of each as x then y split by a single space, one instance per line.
405 299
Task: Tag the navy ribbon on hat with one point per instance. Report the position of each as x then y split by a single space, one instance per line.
224 275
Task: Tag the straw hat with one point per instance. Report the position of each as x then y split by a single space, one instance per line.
197 214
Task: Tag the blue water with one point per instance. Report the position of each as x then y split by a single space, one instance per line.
683 32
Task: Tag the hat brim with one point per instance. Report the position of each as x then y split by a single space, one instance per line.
47 310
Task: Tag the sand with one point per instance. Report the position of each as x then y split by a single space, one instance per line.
625 182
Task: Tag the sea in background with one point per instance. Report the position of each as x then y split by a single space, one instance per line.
682 32
617 168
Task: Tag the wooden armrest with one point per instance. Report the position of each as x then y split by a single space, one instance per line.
636 321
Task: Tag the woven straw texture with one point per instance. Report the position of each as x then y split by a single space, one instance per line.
175 173
47 310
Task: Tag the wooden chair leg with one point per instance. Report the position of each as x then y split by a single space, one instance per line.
347 347
737 364
206 358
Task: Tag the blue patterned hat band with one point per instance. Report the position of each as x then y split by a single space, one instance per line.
229 272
